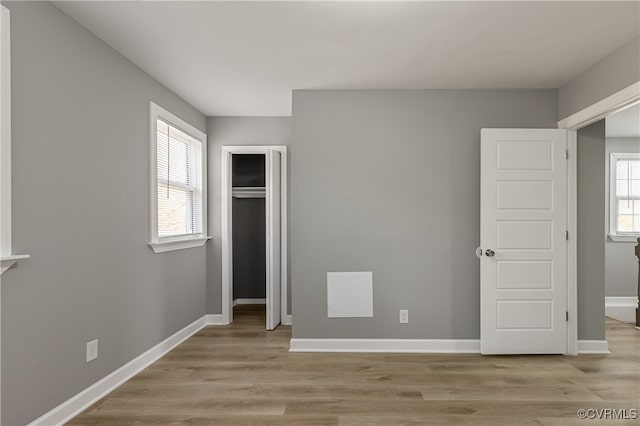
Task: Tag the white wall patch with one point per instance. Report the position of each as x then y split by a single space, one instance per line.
349 294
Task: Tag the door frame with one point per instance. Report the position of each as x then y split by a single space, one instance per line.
227 230
618 101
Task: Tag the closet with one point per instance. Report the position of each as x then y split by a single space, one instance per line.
248 228
254 230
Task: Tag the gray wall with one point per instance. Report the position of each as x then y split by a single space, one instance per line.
249 248
234 131
591 231
389 182
621 264
80 208
613 73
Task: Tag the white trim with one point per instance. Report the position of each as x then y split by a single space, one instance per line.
6 251
284 248
161 245
623 238
226 239
386 345
471 346
572 248
214 319
5 147
603 108
621 308
246 301
287 320
227 231
81 401
7 262
593 347
5 132
186 243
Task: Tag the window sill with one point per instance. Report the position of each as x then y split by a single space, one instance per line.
8 261
172 245
624 238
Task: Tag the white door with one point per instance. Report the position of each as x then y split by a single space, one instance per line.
523 217
273 238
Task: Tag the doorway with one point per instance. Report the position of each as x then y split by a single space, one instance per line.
622 211
254 231
603 109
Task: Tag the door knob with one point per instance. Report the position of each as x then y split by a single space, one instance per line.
489 253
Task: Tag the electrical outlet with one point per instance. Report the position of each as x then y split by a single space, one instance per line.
404 316
92 350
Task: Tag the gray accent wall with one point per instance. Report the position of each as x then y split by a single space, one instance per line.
389 182
621 263
616 71
81 209
591 231
234 131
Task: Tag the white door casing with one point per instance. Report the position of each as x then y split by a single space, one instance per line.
523 218
273 217
227 228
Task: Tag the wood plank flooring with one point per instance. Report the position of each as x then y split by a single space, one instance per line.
242 375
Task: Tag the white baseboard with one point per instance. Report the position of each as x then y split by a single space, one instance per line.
249 302
83 400
385 345
415 346
600 347
215 319
621 308
286 320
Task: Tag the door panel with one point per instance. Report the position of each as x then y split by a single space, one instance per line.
524 234
524 274
516 195
522 314
523 222
273 189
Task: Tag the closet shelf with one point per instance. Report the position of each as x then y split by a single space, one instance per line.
248 192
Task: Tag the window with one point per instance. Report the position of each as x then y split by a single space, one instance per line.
7 258
624 204
178 183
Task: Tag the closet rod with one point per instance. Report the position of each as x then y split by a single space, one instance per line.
248 192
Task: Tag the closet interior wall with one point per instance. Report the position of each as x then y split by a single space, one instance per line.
249 227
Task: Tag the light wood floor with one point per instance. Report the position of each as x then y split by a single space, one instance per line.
243 375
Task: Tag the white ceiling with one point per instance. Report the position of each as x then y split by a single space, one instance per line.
624 124
245 58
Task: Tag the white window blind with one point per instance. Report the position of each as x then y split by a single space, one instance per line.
625 194
179 168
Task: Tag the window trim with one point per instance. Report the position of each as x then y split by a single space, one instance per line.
7 257
614 157
180 242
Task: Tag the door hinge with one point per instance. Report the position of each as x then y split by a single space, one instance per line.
567 317
567 153
566 235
